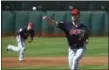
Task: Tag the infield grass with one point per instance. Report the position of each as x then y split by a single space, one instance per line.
56 47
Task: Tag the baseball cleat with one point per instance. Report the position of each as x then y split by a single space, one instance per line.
21 60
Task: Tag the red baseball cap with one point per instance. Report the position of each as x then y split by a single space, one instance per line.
75 12
31 24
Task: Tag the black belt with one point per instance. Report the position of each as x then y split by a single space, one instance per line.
76 46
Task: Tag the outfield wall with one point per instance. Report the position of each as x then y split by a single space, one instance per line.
97 21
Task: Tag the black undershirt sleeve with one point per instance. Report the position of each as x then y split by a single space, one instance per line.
61 25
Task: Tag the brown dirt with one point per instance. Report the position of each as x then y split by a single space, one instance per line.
51 61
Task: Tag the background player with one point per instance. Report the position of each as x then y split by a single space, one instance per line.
22 35
77 35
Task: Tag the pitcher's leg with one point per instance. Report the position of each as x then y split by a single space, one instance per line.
21 52
13 48
70 57
71 54
79 54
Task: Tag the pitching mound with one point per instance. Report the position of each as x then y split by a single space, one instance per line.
50 61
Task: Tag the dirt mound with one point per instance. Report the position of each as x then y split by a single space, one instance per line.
50 61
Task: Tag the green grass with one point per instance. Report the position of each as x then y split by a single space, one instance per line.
104 67
58 47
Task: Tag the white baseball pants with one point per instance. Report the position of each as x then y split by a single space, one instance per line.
74 57
20 48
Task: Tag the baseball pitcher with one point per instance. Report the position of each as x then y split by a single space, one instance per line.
77 35
22 35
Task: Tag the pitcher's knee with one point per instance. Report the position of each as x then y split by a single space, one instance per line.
75 59
22 49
